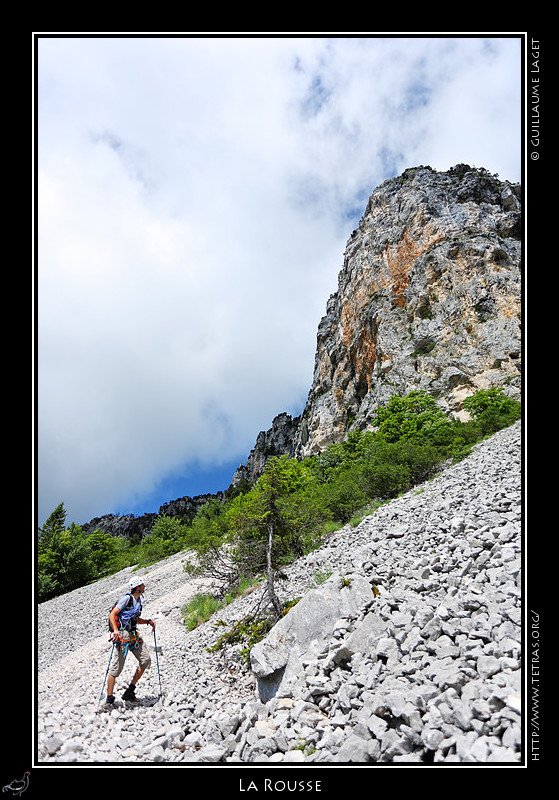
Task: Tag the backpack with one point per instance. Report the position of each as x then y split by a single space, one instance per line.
126 607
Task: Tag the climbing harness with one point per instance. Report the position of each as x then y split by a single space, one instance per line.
130 640
127 635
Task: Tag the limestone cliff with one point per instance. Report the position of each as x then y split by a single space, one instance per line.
429 297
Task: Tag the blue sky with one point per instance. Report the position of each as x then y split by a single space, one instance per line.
195 196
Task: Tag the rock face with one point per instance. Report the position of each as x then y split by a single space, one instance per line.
429 298
280 440
126 525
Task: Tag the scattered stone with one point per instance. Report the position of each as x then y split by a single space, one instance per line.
427 671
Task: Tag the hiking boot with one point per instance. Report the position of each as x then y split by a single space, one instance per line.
129 694
109 702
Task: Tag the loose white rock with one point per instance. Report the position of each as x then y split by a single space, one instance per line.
426 671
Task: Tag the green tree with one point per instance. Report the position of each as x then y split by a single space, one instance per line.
48 534
54 525
265 524
492 410
167 536
209 523
65 559
169 529
76 565
105 552
258 527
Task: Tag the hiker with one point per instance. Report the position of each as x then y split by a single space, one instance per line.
123 619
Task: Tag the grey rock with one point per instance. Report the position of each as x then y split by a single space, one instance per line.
353 751
211 754
432 737
488 666
53 744
297 636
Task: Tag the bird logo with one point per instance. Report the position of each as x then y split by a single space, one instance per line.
17 787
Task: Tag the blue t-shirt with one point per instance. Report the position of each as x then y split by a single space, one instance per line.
126 615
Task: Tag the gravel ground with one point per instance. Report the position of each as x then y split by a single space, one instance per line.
446 557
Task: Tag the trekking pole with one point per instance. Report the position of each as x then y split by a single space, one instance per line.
106 673
157 659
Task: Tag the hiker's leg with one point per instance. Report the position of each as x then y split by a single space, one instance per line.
115 669
137 675
144 661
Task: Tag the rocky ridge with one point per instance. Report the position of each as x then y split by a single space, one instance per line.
130 526
414 658
429 297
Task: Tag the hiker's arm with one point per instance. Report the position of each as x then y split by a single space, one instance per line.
112 619
146 622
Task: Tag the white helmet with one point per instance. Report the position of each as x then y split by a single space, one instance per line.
135 582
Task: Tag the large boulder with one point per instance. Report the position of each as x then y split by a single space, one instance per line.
278 660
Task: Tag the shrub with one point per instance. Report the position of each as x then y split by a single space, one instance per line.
492 410
385 479
344 493
414 416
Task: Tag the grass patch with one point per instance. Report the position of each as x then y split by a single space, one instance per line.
200 609
203 606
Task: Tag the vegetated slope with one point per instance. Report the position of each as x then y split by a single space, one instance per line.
426 671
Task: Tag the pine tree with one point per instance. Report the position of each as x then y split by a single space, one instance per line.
53 526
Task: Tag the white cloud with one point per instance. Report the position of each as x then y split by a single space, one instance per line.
195 196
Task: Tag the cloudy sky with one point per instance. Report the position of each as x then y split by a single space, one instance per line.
195 195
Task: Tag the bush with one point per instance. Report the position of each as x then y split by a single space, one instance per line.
386 480
418 460
415 416
167 536
169 529
345 492
151 549
492 410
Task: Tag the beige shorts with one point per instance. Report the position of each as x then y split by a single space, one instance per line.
141 652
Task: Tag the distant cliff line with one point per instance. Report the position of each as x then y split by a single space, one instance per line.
132 527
